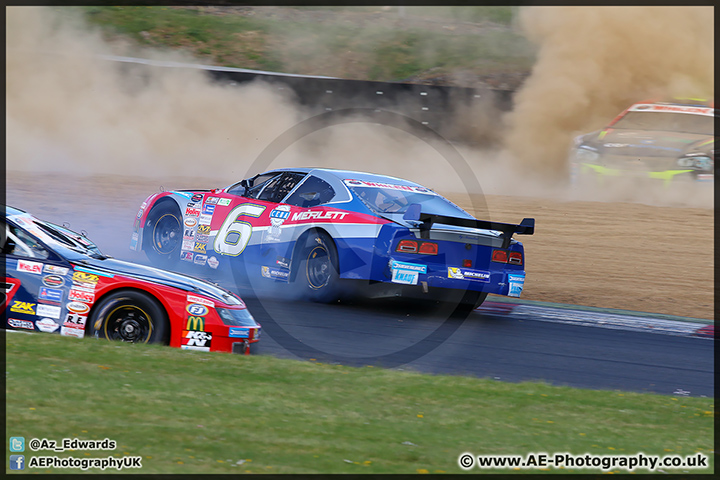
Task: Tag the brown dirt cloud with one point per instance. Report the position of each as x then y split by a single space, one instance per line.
592 62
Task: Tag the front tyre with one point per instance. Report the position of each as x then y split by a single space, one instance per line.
318 271
129 316
162 237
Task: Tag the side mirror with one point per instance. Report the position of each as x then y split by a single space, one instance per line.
244 183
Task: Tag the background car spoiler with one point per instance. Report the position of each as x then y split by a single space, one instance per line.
526 226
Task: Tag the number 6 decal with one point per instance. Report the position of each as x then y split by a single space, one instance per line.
225 242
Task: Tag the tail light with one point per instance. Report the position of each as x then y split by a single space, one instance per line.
515 258
428 248
499 256
407 246
413 246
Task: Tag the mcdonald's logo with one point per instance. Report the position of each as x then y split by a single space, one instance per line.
195 323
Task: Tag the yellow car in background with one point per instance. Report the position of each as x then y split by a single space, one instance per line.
666 141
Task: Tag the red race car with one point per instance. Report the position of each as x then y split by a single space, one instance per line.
57 281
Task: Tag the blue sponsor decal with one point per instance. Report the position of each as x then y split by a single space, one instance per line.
414 267
516 285
50 294
281 214
134 241
208 209
183 194
239 332
405 276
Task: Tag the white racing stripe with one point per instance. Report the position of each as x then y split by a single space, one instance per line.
608 320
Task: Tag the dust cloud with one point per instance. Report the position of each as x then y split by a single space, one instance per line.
76 114
592 63
70 111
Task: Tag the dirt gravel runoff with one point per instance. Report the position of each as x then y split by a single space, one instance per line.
613 255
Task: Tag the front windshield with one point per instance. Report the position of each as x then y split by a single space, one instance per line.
667 122
395 199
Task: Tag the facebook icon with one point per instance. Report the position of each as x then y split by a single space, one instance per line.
17 462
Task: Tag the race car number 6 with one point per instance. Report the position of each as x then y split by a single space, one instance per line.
225 242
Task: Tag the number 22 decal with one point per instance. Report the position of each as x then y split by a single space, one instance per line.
228 244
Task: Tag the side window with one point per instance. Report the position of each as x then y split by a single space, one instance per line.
257 184
17 242
279 187
313 191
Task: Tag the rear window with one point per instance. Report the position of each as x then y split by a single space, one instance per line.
388 198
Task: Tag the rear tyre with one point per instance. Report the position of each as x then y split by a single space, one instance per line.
318 274
129 316
472 299
162 237
468 301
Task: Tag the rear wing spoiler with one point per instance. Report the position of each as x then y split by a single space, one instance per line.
526 226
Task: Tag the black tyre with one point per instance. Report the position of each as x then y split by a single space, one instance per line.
129 316
162 236
317 273
471 300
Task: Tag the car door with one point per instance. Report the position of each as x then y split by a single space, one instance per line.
240 217
36 283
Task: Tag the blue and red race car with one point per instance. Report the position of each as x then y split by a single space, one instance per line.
317 229
57 281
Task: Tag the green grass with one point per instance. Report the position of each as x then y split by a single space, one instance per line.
339 48
193 412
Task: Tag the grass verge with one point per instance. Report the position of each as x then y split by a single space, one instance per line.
325 41
194 412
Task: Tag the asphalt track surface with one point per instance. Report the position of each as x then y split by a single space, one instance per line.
403 334
487 346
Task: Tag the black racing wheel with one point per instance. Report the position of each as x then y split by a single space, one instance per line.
162 236
129 316
470 301
317 273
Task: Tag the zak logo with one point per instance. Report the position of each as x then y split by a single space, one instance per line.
199 247
23 307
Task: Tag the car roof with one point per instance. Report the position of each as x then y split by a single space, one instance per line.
349 175
680 101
